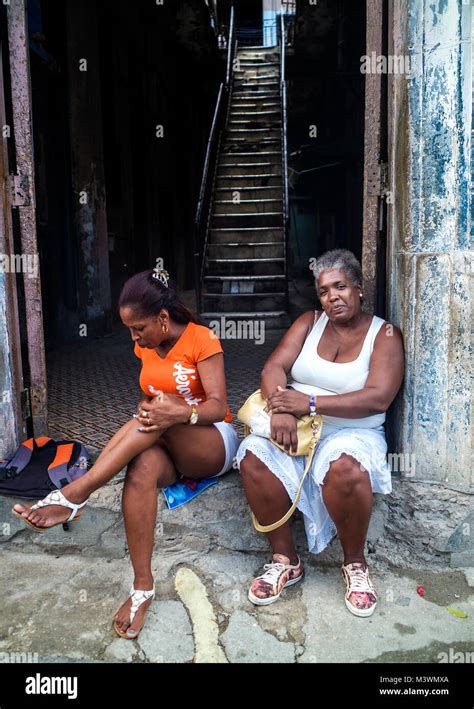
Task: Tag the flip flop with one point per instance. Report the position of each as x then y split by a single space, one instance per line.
54 498
138 598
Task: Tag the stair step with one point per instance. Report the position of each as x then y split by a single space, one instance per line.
246 142
255 120
270 277
242 214
276 259
243 177
233 182
241 219
242 153
248 170
274 77
242 244
227 306
253 95
246 201
247 206
245 267
264 249
225 235
256 71
248 193
249 63
250 130
276 112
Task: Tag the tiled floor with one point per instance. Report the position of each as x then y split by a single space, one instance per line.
93 385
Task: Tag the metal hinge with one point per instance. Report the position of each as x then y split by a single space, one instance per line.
377 180
25 404
20 195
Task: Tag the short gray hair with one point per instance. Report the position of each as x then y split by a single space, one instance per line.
340 260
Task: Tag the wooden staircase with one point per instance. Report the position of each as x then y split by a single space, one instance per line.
244 273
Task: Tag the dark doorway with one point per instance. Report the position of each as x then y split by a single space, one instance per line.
326 133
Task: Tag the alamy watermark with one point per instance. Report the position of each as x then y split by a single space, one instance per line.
455 657
229 329
385 64
18 658
20 263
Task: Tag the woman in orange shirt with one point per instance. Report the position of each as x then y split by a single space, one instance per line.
182 424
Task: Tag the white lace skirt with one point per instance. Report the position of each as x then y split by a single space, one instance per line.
367 446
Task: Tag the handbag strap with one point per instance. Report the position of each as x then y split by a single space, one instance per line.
271 527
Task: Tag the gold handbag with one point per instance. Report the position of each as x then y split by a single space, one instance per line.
308 430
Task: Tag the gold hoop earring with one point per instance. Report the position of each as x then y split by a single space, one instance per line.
164 329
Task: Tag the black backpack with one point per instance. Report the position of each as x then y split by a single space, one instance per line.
41 465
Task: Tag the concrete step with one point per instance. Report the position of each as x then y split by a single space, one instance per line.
249 206
236 182
265 249
237 220
226 235
249 169
260 266
244 193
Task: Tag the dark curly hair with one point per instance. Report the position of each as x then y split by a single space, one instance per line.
147 296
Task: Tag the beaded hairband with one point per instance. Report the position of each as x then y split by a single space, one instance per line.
161 275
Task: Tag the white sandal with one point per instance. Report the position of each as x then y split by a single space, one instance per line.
54 498
138 598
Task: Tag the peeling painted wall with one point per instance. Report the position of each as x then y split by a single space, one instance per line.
8 433
430 291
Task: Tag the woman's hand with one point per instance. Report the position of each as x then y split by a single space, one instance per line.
288 401
162 412
283 431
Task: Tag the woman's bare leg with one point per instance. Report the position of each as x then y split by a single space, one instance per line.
347 494
197 451
116 438
269 501
151 469
131 444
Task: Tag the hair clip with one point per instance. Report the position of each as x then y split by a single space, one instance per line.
161 275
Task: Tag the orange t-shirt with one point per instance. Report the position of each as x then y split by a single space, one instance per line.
177 373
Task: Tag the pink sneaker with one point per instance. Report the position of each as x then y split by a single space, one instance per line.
360 598
278 574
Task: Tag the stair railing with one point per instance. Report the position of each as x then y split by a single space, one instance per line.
284 142
204 206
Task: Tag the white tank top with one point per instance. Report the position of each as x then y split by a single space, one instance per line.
311 374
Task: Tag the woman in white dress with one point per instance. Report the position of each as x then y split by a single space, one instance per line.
346 365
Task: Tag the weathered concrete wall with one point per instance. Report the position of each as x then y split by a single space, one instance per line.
430 283
8 436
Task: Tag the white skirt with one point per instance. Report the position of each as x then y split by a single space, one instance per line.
367 446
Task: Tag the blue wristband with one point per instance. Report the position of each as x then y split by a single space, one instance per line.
312 405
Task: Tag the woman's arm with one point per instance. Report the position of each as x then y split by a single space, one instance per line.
166 410
387 366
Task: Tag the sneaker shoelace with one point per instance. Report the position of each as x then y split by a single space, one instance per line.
272 573
359 581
